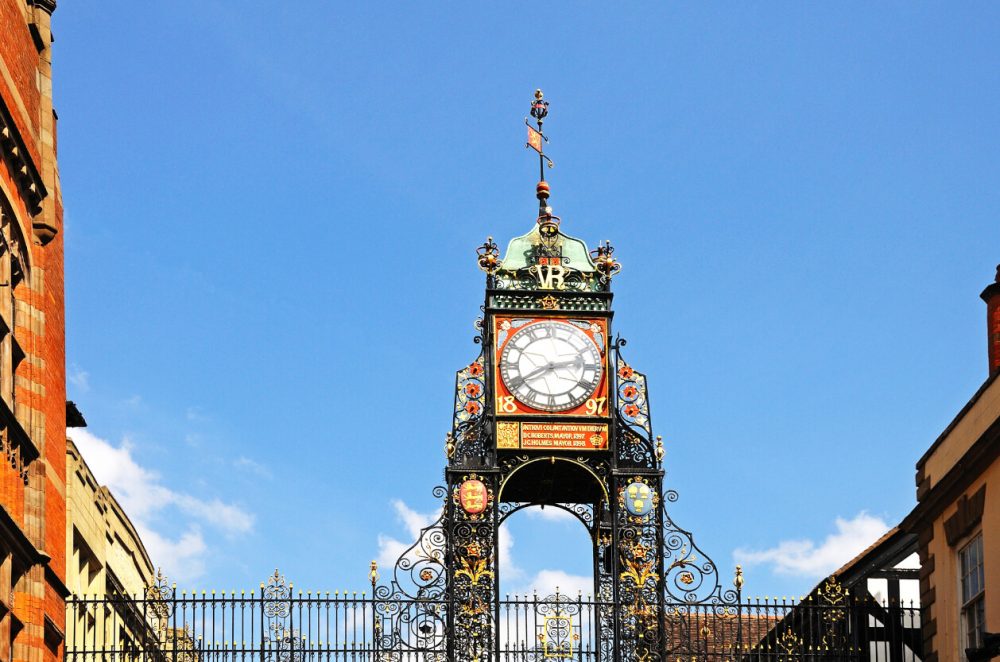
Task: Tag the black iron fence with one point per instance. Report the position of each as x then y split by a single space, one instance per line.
170 626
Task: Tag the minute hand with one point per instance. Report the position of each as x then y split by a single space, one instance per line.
550 367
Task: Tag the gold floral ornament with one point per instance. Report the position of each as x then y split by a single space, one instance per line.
639 572
639 567
789 642
605 262
473 565
488 256
832 592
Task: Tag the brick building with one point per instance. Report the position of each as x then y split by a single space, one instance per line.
32 343
957 520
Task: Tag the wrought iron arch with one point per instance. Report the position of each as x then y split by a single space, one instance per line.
583 512
553 458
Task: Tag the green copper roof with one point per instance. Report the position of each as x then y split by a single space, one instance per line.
522 249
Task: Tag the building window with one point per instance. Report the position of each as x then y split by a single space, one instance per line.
973 592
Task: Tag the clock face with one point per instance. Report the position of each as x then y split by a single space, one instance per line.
551 366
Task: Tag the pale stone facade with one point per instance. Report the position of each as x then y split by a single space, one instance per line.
958 484
106 558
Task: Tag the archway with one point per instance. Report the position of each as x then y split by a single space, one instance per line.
545 574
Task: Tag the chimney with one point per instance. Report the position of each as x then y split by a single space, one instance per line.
991 295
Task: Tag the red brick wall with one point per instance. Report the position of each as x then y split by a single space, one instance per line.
19 56
40 380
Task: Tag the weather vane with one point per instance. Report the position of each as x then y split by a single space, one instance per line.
539 110
548 225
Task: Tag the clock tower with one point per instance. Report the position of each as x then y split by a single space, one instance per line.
550 413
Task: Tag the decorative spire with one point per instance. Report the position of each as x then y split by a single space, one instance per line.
548 225
539 110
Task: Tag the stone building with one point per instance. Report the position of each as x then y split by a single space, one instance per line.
106 559
957 520
32 343
105 554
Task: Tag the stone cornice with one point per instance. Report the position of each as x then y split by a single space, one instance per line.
15 153
45 5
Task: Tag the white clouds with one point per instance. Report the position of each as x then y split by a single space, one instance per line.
79 378
244 463
806 558
415 522
547 582
183 559
226 517
145 499
389 548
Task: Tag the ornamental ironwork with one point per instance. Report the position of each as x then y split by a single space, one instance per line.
550 414
164 625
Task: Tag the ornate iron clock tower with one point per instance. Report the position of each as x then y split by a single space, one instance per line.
550 413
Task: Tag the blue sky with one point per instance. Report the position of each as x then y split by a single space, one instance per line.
271 212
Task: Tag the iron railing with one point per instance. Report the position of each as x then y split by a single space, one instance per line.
172 626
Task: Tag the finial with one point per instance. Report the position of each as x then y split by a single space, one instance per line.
606 264
488 256
449 445
536 139
373 572
659 448
738 581
539 108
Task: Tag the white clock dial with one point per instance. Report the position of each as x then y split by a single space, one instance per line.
551 366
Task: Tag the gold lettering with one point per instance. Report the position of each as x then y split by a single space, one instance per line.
550 276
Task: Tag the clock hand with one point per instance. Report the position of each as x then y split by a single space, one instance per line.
564 364
537 371
549 367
